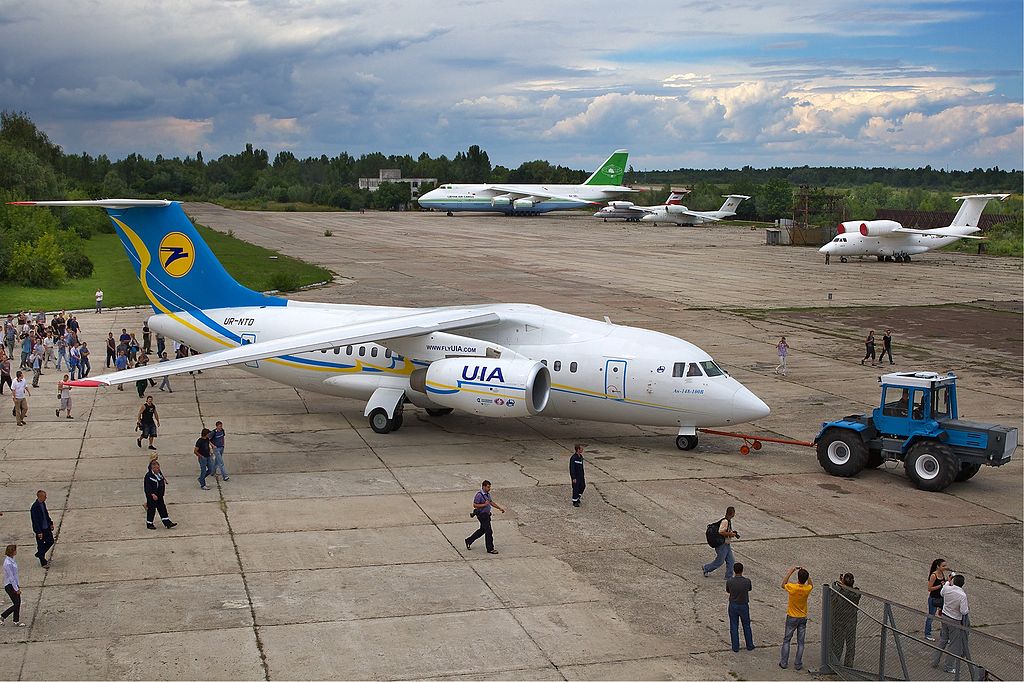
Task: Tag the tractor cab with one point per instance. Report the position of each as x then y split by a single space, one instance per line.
915 402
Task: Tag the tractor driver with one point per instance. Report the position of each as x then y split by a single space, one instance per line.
898 407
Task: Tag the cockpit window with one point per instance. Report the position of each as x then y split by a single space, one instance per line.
679 369
711 369
694 370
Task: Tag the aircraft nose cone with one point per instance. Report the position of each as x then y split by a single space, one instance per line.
747 407
826 249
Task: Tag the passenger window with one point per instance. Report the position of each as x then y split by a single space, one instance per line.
387 352
679 369
711 369
694 370
337 351
544 362
573 366
348 350
373 352
362 351
896 402
558 365
323 350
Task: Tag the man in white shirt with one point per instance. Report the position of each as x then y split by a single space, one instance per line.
99 300
955 608
20 391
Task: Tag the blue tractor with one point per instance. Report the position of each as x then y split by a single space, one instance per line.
916 423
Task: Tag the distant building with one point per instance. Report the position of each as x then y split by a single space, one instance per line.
395 175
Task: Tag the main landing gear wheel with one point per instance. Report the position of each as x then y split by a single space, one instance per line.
686 442
381 423
881 259
842 452
931 465
449 214
439 411
843 259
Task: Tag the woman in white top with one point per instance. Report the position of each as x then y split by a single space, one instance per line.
12 587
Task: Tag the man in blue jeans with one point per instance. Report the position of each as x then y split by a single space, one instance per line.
217 440
202 452
796 615
739 588
723 553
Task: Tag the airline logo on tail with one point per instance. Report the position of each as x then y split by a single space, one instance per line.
177 255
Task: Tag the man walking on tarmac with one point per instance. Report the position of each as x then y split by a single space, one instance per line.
577 475
723 552
482 504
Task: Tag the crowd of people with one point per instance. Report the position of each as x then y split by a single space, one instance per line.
945 595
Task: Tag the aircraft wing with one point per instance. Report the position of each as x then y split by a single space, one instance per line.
519 193
934 233
415 324
697 214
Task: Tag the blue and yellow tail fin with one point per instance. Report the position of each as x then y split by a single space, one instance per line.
177 270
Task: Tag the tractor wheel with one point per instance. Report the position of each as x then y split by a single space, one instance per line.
686 442
842 452
931 465
438 411
379 421
967 470
875 460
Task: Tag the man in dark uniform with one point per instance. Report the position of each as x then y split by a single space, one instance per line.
576 474
886 347
155 484
42 526
482 504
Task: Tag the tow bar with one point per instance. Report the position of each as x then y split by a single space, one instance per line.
755 442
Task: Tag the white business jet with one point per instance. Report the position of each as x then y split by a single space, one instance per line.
512 199
888 240
503 360
672 211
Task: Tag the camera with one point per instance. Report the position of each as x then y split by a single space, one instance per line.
473 513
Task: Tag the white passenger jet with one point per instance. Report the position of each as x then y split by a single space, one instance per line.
602 185
502 360
888 240
672 211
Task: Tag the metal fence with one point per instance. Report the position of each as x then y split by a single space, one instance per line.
865 637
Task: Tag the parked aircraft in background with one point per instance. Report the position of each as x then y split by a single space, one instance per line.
500 360
602 185
672 211
888 240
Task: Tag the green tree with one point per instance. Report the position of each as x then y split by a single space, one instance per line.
775 199
38 264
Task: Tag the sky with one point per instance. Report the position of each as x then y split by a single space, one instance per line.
680 84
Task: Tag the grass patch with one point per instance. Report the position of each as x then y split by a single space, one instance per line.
251 265
1003 239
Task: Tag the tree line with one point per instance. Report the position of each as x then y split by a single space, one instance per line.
42 248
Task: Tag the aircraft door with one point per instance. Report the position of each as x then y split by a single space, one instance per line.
246 340
615 379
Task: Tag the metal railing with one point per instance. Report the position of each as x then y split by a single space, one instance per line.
866 637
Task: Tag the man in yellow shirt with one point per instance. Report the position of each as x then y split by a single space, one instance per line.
796 614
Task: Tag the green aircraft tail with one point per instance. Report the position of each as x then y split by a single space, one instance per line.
611 171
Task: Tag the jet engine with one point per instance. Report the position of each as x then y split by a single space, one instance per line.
487 386
675 208
869 228
501 200
620 204
528 202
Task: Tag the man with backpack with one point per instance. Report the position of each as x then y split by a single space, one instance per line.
719 536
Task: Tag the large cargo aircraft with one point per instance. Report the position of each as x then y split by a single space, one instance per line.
888 240
602 185
498 360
